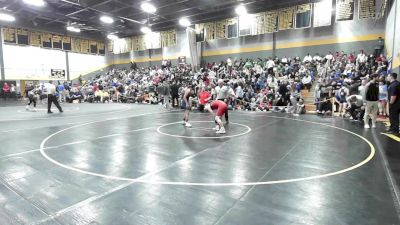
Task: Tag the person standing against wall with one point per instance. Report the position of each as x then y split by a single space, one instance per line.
6 90
394 104
50 90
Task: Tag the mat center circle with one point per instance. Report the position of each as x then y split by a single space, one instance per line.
202 129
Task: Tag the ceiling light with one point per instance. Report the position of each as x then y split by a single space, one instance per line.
148 7
39 3
241 10
73 29
145 30
6 17
112 36
106 19
185 22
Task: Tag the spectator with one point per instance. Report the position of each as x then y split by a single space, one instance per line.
6 91
383 97
394 103
372 97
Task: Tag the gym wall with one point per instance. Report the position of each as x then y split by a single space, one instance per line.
344 36
34 63
393 36
153 57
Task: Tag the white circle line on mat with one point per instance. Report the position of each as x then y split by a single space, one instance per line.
126 108
248 130
220 184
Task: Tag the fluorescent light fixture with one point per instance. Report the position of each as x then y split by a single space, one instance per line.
7 17
38 3
185 22
112 36
241 10
73 29
145 30
106 19
148 7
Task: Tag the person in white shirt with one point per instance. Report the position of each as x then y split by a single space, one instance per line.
223 92
306 81
307 58
317 58
361 59
329 57
284 60
270 65
50 90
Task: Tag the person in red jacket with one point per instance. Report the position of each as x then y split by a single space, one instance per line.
204 96
221 108
6 91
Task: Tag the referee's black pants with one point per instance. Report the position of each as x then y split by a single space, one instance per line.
52 99
394 113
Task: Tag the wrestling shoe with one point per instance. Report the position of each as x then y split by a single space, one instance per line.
221 131
188 125
27 108
366 126
216 128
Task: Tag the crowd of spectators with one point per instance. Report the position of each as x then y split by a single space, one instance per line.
339 82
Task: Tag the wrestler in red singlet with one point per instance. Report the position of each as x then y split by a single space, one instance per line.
221 108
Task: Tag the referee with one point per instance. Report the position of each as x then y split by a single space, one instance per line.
51 97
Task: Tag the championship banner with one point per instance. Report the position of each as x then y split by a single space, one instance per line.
46 40
303 16
344 10
85 46
271 22
76 45
22 37
66 43
366 9
323 13
35 39
220 29
57 41
9 35
93 47
286 18
101 48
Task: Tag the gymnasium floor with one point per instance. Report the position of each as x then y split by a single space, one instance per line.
136 164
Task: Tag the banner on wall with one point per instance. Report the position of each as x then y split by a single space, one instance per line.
66 43
303 16
46 40
93 47
9 35
323 13
271 22
246 24
344 10
232 27
286 18
35 39
366 9
220 29
22 37
57 41
57 74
